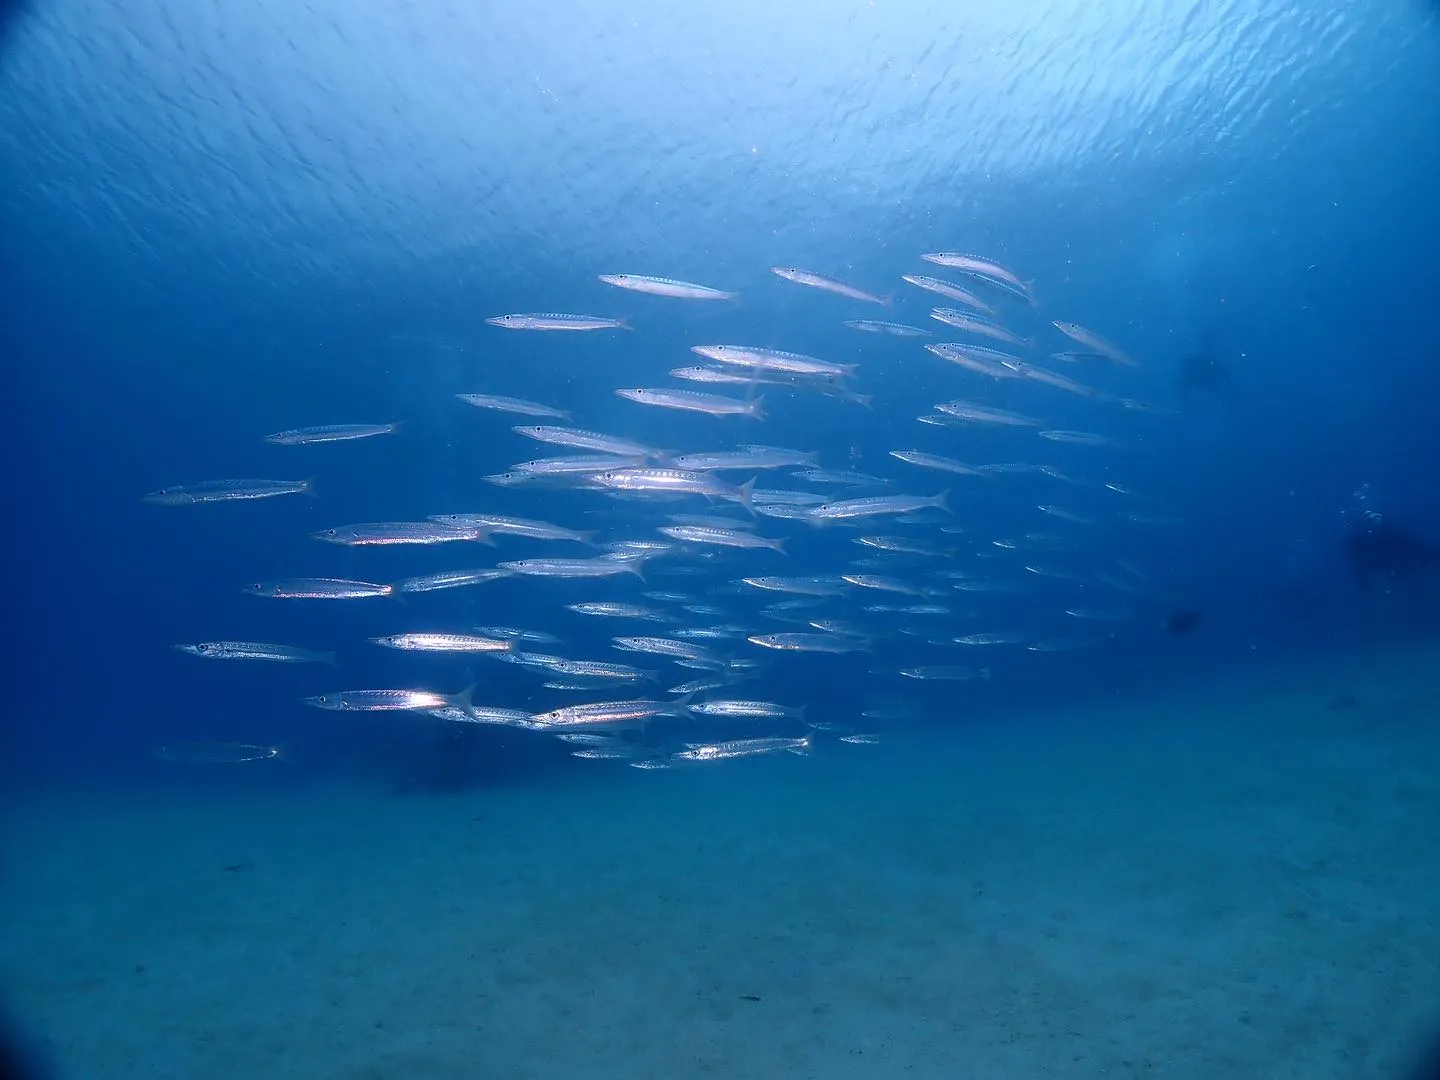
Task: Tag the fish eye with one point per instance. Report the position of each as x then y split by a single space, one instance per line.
202 648
329 532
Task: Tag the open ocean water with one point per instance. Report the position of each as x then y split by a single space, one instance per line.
827 540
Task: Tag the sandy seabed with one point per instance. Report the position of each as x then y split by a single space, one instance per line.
1238 882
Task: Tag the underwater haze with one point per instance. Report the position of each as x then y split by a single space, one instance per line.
749 539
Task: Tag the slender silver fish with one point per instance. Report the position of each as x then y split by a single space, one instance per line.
388 700
825 284
742 748
893 329
256 650
325 433
695 401
585 440
445 642
948 289
774 360
660 286
845 509
448 579
208 491
501 403
732 538
1093 342
375 533
318 589
556 321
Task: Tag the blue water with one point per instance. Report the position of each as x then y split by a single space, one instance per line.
224 220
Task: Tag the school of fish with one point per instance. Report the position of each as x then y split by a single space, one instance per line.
698 673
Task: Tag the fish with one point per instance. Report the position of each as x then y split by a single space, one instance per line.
445 642
612 610
733 538
326 433
213 753
772 360
501 403
975 324
557 321
1094 342
660 286
998 638
671 648
825 284
1078 438
676 482
978 266
504 524
604 714
586 440
847 509
874 326
949 290
256 650
819 643
377 533
388 700
936 461
447 579
736 709
209 491
600 566
742 748
694 401
319 589
747 458
800 586
945 673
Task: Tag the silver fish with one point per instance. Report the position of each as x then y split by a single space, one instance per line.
694 401
604 714
444 642
329 433
846 509
659 286
741 748
935 461
556 321
501 403
448 579
376 533
585 440
772 360
256 650
825 284
514 526
948 289
601 566
318 589
387 700
748 710
875 326
208 491
734 538
1093 342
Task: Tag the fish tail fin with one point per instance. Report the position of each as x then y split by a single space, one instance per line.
623 324
281 752
985 672
756 409
941 501
888 300
778 544
636 566
587 537
307 487
464 700
802 746
863 399
744 491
